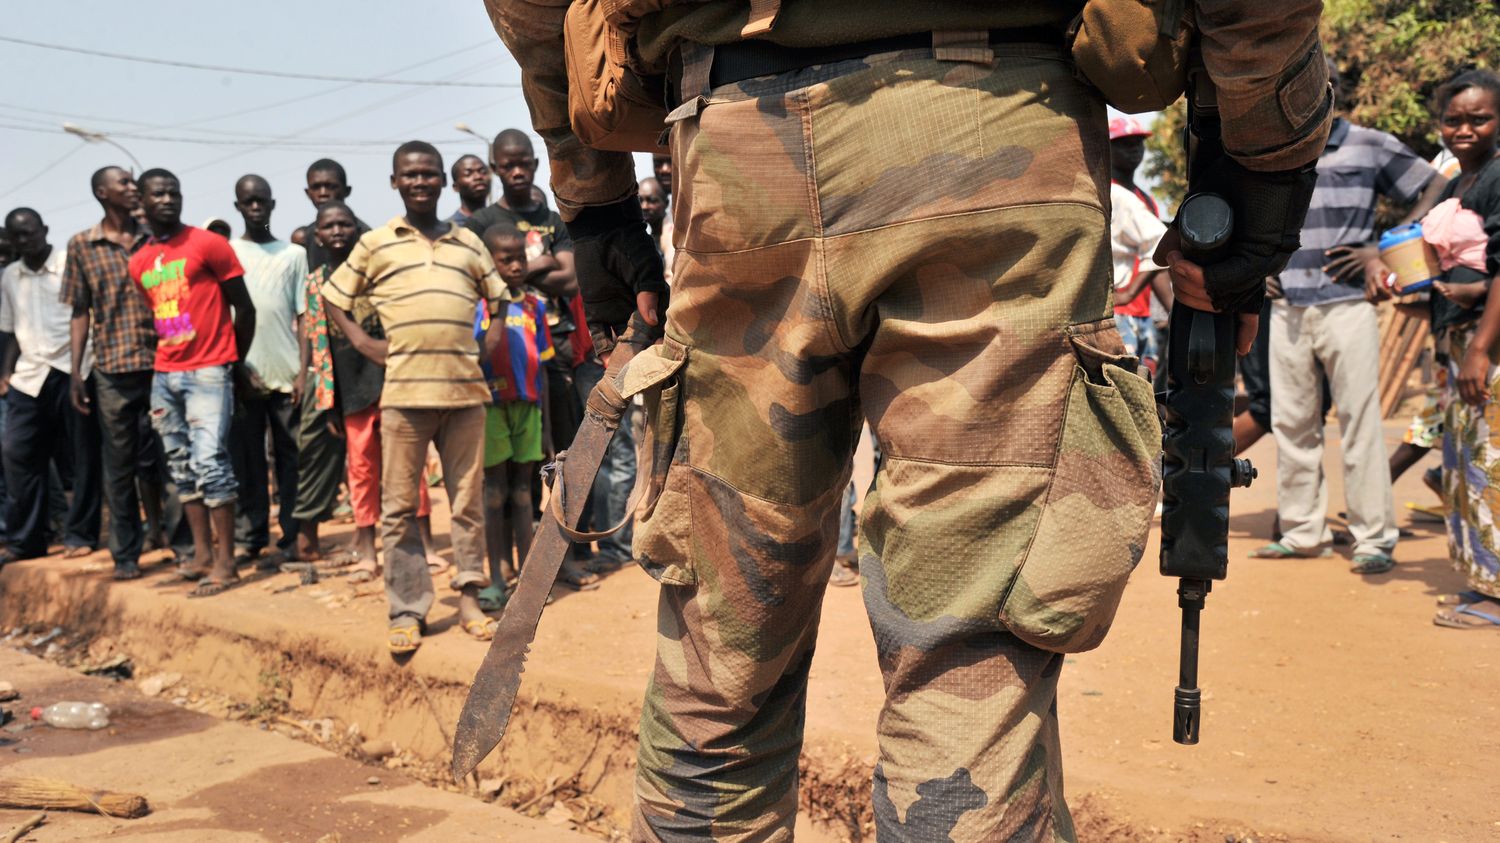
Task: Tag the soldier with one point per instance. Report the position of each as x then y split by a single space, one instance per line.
956 295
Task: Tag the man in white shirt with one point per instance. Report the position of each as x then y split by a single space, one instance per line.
1134 230
269 387
42 425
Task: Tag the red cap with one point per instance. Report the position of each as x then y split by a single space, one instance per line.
1126 127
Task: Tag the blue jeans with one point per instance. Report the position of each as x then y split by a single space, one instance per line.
616 477
1139 335
847 522
191 413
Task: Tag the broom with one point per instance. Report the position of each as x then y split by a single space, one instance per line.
23 792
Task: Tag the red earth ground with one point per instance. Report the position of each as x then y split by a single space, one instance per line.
1334 710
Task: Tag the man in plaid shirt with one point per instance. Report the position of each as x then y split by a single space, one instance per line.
97 284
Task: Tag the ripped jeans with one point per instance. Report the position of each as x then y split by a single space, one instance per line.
191 412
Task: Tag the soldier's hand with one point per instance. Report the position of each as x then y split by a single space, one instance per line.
1189 287
619 269
1269 209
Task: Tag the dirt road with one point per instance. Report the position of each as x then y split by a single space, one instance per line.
1334 710
207 779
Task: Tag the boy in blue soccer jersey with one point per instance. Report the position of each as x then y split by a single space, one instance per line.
517 430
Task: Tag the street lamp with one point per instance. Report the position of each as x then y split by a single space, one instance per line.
99 137
468 130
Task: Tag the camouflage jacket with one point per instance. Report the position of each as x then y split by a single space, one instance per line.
1273 96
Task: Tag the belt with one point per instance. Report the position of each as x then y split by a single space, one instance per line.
743 60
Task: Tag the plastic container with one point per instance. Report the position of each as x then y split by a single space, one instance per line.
1410 258
73 715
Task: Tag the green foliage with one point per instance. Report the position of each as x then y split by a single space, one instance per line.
1392 55
1166 161
275 697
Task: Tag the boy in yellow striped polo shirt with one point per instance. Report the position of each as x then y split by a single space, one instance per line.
424 277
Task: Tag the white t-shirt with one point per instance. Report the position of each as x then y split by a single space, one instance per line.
31 308
273 274
1134 231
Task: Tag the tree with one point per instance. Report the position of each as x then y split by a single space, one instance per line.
1391 54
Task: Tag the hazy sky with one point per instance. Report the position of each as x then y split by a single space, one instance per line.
200 124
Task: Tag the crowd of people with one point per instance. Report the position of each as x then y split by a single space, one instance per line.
1319 342
192 384
181 379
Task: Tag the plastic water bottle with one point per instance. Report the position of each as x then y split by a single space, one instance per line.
73 715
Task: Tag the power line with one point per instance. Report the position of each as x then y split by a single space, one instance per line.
334 90
278 74
45 170
356 112
186 126
263 141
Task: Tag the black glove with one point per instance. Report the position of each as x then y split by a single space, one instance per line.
1268 212
615 259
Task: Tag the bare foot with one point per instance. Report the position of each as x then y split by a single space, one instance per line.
307 548
1464 295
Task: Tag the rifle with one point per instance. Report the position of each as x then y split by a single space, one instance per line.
1198 465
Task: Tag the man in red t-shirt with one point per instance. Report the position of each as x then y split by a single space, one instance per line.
191 279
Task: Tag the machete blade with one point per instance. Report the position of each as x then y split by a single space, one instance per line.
486 712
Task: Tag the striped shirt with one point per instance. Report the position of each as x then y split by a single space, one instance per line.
1358 166
425 293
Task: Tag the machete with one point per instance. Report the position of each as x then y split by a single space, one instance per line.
487 710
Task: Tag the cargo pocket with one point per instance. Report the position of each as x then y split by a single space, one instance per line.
1099 505
663 519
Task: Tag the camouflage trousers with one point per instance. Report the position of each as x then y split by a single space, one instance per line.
923 244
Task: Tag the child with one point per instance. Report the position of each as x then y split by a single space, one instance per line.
424 276
517 429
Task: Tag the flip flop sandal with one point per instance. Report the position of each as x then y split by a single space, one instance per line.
1277 550
127 572
1466 617
363 575
576 581
842 577
184 575
213 588
404 639
1461 598
493 599
483 629
437 564
77 552
604 566
1426 512
1369 564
